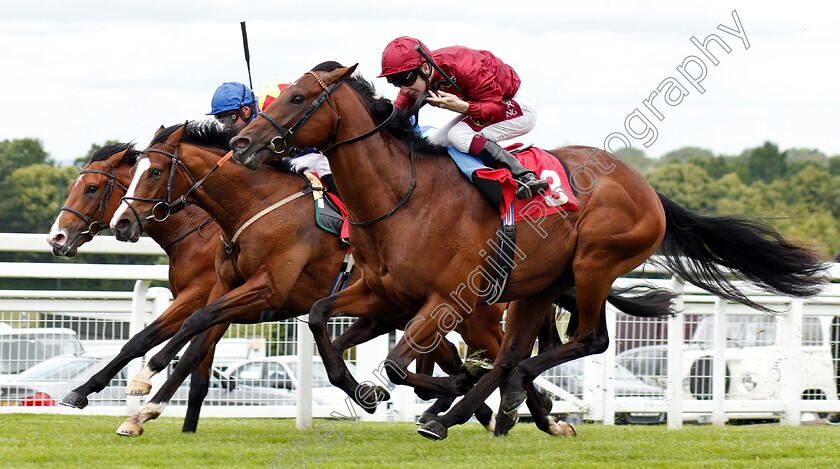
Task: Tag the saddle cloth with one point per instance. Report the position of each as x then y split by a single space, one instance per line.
499 186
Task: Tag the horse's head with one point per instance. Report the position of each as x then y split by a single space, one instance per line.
93 198
159 180
295 120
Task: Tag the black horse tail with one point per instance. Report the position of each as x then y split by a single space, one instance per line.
642 301
712 251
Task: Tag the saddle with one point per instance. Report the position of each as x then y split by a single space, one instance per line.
499 187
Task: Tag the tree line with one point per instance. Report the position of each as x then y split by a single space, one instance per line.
797 191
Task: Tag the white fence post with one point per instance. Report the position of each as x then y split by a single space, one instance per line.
676 338
791 376
305 343
719 364
138 322
609 368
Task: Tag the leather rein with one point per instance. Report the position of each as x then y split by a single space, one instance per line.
285 133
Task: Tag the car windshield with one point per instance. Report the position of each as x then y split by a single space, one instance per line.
59 368
741 331
21 351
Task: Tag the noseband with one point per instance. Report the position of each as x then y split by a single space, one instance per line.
95 226
164 201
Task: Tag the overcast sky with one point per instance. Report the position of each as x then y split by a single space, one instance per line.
82 72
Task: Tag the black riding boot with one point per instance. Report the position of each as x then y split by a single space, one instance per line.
529 184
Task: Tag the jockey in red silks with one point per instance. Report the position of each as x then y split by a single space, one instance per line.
485 91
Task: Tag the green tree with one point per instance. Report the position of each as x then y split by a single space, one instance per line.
795 155
834 165
687 184
685 153
30 198
18 153
765 163
637 159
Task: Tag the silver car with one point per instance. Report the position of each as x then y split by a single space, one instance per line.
47 382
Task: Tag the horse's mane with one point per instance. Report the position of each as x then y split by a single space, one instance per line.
400 127
209 133
111 149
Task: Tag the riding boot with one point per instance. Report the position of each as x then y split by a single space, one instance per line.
529 184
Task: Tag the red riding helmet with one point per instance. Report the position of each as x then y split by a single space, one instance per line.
399 55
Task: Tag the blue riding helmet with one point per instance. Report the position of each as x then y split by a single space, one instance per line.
230 96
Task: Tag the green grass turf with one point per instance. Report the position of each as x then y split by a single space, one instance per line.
90 441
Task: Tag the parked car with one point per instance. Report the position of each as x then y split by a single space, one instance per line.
569 376
21 348
753 356
47 382
649 363
280 372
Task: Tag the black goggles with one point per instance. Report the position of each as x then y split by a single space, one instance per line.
406 78
227 119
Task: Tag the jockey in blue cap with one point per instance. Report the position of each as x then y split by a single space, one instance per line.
234 105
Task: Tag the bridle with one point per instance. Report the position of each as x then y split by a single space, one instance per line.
95 227
285 133
163 203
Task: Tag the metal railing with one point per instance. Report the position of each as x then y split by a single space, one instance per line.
706 380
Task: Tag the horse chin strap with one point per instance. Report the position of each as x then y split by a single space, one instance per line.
95 226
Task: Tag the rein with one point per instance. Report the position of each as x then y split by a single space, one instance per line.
325 96
95 226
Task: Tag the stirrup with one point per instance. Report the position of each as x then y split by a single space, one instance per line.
528 189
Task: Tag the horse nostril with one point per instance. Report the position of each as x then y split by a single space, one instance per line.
58 239
240 143
122 224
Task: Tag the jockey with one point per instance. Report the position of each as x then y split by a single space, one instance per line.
234 105
485 91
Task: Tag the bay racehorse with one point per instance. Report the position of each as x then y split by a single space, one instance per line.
420 229
275 269
190 239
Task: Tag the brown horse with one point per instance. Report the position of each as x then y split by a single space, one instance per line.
421 228
189 238
278 267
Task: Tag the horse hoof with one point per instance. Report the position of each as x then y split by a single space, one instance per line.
478 367
433 430
560 428
426 417
130 428
512 401
369 397
74 399
138 388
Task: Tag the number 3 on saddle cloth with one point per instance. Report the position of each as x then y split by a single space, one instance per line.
500 187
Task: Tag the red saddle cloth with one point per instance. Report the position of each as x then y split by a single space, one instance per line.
559 198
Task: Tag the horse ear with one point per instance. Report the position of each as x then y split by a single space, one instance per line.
340 74
161 129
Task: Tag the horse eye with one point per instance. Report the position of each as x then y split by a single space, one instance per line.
155 172
297 99
91 189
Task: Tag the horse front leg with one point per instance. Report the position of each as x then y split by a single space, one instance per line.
239 305
356 300
199 352
152 335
